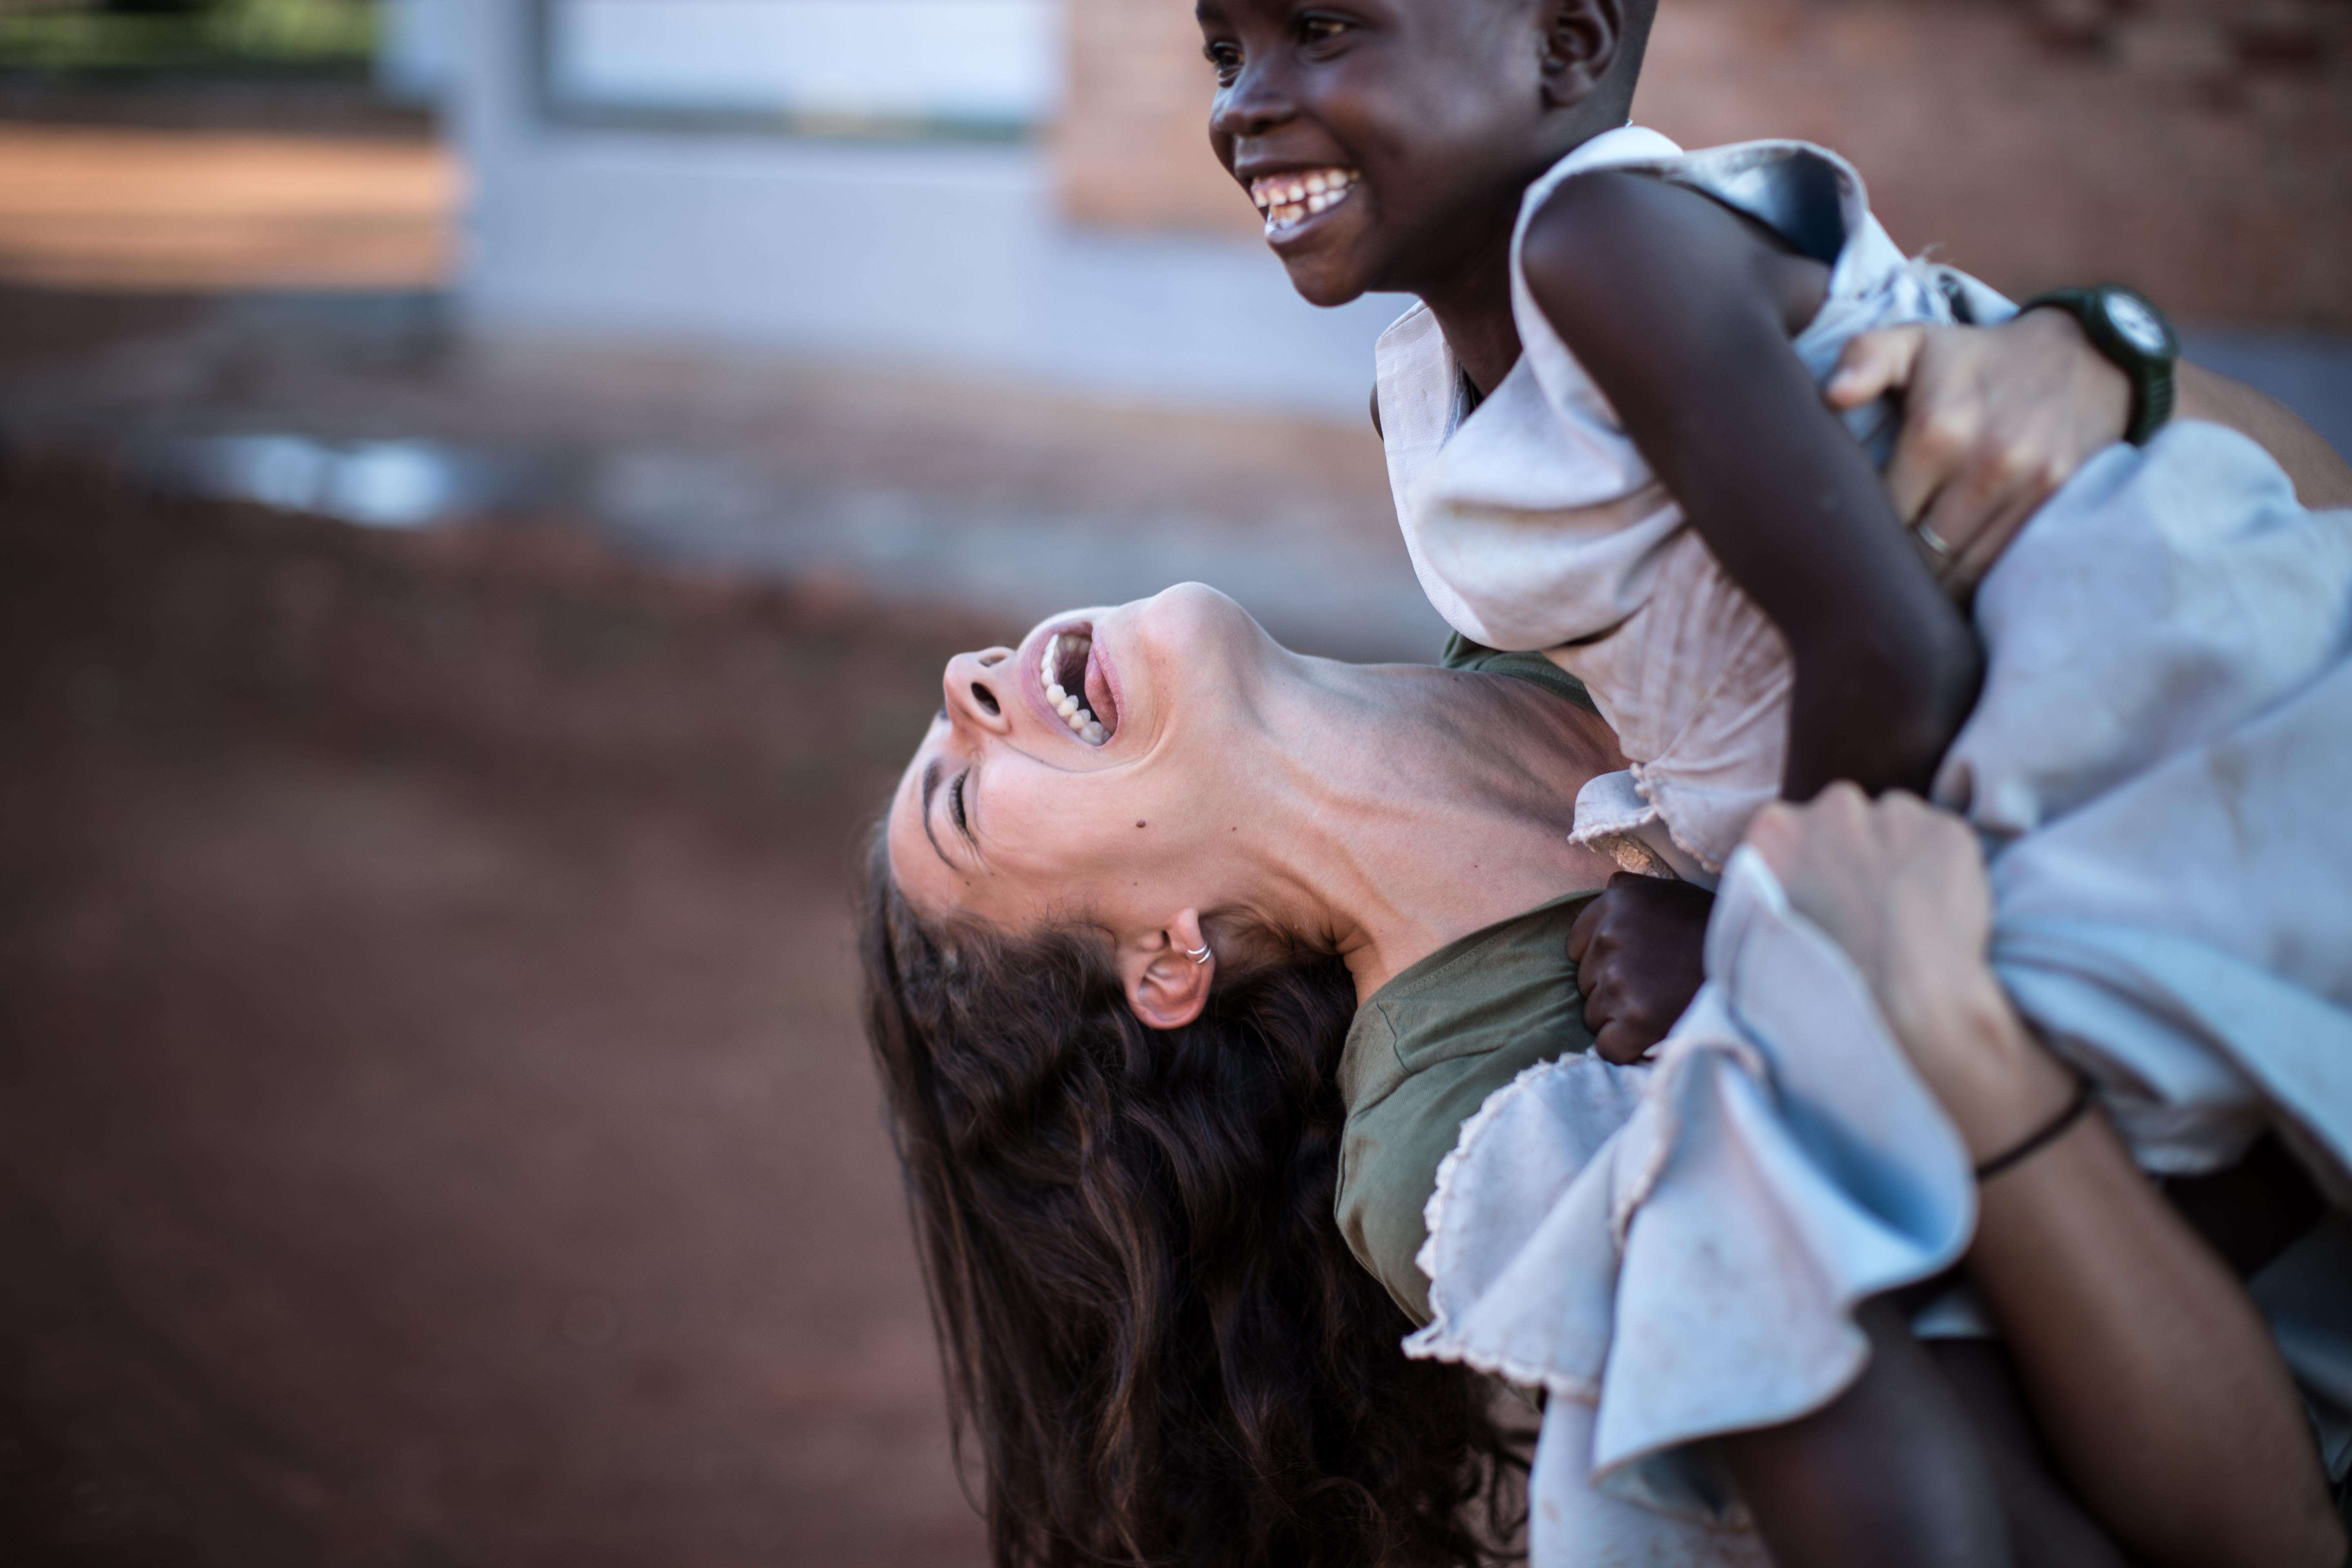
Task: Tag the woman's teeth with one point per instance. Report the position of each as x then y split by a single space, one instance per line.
1067 651
1288 200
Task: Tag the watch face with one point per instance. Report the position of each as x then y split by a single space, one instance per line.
2136 323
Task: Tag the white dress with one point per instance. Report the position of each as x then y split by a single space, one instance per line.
2156 768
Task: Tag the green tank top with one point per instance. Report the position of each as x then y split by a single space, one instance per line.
1422 1056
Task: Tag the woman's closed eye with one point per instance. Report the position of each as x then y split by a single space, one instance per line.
956 811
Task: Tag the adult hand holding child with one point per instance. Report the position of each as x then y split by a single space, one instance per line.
1996 419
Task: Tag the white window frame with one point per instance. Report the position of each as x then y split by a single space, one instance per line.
1015 105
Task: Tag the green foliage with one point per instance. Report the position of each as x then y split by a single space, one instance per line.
115 36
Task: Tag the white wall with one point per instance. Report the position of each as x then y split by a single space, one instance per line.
941 252
994 62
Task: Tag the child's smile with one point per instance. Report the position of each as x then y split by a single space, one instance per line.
1385 143
1290 201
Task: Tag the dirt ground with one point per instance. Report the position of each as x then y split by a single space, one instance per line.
435 1128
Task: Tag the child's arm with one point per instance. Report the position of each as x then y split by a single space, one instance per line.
1890 1471
1683 312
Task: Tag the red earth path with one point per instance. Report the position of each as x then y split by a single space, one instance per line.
434 1128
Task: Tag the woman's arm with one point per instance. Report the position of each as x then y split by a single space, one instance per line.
2151 1376
2321 476
1679 307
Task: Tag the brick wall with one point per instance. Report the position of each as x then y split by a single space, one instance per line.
1132 150
2201 149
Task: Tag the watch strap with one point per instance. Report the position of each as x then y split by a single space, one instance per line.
2151 374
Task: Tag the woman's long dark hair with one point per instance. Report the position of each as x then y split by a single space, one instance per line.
1148 1321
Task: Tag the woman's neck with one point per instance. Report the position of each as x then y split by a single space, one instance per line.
1406 806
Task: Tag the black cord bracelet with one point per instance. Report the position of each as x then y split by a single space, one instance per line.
2041 1139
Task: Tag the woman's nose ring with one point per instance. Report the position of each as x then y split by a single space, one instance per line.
1199 955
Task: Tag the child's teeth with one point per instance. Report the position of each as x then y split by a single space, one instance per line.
1287 202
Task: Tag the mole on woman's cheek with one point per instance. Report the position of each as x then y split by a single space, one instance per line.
1139 824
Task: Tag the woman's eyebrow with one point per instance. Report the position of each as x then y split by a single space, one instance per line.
930 788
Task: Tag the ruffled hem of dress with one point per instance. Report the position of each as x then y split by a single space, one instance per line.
1438 1340
1909 1216
1713 864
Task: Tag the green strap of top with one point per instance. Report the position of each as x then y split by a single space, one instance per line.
1461 653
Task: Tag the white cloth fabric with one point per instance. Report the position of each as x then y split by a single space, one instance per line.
1533 523
2158 765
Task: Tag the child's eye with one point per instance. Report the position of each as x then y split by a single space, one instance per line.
1321 29
1226 58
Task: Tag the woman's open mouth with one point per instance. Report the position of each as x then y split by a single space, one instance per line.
1289 201
1076 686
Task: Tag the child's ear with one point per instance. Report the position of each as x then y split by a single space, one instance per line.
1165 987
1579 45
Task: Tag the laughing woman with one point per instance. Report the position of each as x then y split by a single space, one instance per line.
1188 956
1178 1006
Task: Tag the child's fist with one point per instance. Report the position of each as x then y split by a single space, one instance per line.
1640 952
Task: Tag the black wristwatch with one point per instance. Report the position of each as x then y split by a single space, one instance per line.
2134 336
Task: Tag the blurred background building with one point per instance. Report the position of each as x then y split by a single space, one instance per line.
485 487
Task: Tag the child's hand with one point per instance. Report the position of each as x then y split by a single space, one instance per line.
1994 420
1639 950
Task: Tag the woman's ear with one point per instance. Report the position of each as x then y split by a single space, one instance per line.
1165 987
1579 45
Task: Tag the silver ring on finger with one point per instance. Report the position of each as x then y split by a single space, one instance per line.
1934 541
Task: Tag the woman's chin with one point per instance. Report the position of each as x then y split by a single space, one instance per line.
1184 634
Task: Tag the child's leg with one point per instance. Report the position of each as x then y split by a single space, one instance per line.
1906 1468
